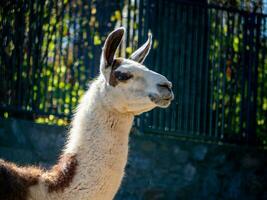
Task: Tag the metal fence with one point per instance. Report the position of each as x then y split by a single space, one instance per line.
215 57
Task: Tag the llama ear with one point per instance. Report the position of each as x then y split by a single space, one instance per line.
140 54
111 44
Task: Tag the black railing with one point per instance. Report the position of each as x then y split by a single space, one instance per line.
215 57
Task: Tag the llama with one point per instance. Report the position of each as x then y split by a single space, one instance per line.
92 163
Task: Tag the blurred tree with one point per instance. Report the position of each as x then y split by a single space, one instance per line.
248 5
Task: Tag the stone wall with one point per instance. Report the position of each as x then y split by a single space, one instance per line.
25 142
158 167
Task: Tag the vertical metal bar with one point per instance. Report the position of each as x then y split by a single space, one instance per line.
172 72
176 63
29 55
36 58
224 71
69 67
170 65
48 35
140 22
243 103
212 71
59 107
147 9
14 58
194 74
53 63
249 87
188 69
74 14
19 41
65 62
206 77
88 45
255 51
232 86
239 79
134 44
80 51
181 100
221 49
199 66
128 25
40 66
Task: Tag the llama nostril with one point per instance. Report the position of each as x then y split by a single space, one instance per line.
166 85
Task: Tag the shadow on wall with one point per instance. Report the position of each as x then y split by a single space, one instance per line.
158 168
25 142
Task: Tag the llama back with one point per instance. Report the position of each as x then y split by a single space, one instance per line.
15 181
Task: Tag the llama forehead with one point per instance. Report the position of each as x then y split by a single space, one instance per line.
127 65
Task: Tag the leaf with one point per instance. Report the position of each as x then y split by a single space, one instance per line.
97 40
93 11
129 50
10 47
155 44
117 15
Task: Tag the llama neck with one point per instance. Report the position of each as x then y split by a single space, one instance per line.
99 138
94 120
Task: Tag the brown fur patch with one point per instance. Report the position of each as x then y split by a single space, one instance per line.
112 79
15 181
61 175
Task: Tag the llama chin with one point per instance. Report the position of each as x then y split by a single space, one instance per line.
93 161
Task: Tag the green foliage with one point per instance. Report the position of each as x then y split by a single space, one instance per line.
238 66
51 50
247 5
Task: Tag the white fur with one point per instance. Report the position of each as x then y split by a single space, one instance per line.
101 150
100 129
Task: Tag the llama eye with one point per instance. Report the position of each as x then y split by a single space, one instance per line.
122 76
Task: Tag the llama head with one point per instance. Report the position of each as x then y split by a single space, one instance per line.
130 87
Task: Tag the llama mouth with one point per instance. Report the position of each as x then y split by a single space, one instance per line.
162 102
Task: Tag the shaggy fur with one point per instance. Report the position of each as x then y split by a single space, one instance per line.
62 173
93 161
15 181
